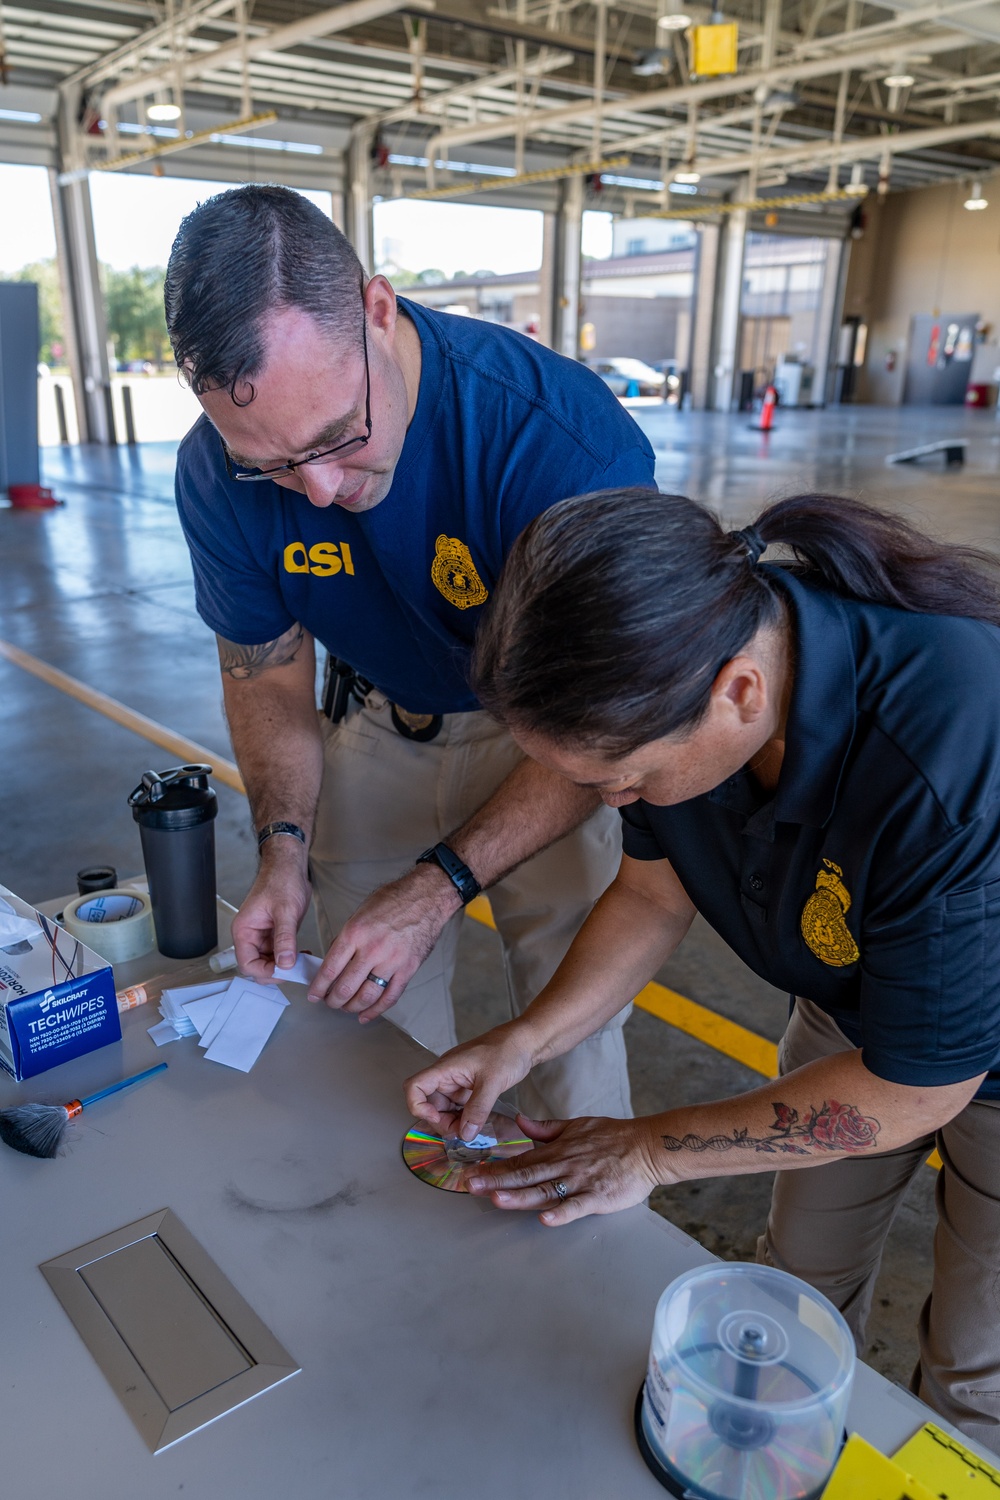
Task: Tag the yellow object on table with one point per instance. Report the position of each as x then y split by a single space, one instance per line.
713 49
946 1468
863 1473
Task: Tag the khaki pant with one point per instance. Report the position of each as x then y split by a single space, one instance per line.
828 1225
386 799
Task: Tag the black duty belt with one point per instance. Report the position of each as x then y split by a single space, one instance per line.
341 683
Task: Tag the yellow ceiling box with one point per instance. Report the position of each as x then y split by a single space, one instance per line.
713 49
862 1473
947 1467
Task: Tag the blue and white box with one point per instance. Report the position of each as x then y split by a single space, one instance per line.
57 997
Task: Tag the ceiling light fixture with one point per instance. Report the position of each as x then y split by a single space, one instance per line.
675 20
687 176
857 186
898 80
160 112
975 200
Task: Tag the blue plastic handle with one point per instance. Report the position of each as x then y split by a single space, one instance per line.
126 1083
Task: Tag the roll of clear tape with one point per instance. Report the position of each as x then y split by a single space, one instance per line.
117 924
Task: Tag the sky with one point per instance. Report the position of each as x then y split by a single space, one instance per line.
470 237
27 231
136 218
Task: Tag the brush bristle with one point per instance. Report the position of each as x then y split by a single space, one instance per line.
35 1129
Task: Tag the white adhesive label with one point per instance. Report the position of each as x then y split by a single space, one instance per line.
658 1392
116 924
111 908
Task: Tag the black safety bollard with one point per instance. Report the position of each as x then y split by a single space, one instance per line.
129 418
57 391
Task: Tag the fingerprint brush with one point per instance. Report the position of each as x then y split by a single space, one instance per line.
38 1129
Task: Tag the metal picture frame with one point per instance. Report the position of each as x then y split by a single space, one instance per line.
176 1341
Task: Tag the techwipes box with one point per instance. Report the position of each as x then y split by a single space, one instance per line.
57 997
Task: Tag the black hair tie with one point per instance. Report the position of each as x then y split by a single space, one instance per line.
750 538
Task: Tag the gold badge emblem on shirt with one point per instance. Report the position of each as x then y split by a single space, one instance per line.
822 921
454 575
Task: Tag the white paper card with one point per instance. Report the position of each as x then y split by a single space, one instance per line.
192 992
164 1032
227 1004
303 970
246 1030
200 1012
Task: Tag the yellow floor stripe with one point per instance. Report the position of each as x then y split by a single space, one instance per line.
184 749
709 1027
685 1015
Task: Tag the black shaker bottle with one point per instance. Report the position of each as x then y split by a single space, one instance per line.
175 811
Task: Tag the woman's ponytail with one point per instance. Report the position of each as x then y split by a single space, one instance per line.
877 557
615 612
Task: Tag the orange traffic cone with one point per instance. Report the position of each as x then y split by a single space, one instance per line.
770 401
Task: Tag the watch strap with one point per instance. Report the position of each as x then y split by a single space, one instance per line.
458 873
270 829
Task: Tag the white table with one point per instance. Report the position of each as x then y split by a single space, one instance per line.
446 1347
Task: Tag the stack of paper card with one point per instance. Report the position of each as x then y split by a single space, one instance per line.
232 1019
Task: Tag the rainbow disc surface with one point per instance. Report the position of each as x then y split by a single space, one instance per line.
443 1162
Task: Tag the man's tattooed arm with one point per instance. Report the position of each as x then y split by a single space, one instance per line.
833 1127
241 662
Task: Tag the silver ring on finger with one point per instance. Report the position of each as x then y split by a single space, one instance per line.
562 1191
382 983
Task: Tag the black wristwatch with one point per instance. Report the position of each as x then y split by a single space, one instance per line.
459 874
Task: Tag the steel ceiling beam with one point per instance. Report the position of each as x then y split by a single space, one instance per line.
985 25
943 11
232 54
870 149
494 23
131 53
789 72
434 102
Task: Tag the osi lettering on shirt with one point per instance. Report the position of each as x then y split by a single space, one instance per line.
323 560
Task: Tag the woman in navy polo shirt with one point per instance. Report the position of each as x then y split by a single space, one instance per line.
808 754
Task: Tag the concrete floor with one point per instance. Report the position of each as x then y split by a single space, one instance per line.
102 589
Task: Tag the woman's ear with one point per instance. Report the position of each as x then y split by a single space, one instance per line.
742 685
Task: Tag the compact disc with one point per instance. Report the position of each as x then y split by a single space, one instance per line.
442 1161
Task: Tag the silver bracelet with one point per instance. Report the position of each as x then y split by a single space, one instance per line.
269 829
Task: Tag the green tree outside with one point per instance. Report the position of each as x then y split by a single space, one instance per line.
133 303
45 275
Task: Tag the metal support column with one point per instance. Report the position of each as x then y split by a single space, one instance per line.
358 195
547 280
702 315
568 264
87 332
828 318
727 321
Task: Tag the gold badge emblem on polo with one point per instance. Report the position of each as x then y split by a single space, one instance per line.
454 575
822 921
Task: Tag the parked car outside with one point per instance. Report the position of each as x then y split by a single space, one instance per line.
630 377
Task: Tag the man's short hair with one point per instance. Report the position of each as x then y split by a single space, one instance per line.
242 255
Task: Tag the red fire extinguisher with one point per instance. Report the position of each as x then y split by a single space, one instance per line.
767 406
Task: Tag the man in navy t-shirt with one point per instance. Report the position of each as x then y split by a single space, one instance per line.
361 471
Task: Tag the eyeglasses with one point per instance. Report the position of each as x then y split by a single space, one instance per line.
237 471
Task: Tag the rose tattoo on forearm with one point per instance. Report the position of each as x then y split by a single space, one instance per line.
832 1127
